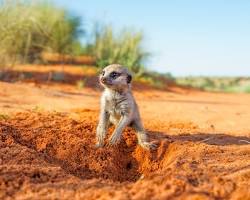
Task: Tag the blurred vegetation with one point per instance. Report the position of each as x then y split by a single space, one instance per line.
222 84
124 48
4 116
155 79
29 28
81 83
41 32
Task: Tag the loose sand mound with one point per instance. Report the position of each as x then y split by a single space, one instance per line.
52 155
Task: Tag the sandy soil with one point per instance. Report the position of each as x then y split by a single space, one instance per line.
47 136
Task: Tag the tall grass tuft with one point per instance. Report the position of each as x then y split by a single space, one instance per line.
124 48
28 28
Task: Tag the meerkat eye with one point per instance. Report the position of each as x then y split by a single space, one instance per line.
103 72
114 75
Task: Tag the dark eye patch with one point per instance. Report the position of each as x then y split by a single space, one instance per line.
114 75
103 72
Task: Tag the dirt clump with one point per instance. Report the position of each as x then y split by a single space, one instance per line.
51 155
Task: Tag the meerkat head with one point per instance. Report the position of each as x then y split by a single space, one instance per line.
116 77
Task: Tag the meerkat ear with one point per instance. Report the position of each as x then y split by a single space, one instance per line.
129 78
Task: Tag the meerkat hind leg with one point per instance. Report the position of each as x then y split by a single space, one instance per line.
142 135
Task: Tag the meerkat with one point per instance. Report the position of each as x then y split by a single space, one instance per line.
118 107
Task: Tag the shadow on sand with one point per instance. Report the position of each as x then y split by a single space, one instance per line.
219 139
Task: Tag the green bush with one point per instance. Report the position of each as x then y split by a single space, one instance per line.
124 48
247 89
29 28
223 84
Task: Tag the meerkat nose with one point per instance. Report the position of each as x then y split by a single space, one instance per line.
103 80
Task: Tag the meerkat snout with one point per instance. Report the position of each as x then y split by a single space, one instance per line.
103 80
118 107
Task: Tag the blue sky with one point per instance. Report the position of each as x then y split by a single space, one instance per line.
186 37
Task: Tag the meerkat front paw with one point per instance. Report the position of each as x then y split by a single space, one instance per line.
99 145
100 134
115 139
148 145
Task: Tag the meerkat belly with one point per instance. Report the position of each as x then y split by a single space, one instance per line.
114 113
114 119
117 107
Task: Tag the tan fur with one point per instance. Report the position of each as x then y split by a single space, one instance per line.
119 107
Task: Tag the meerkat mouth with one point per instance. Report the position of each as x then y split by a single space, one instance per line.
106 83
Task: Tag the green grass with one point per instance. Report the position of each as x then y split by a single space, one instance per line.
26 30
29 28
81 83
124 47
4 116
154 79
217 84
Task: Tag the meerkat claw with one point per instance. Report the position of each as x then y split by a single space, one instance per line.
113 141
148 145
99 145
112 144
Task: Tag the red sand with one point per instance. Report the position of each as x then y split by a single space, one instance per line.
47 136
